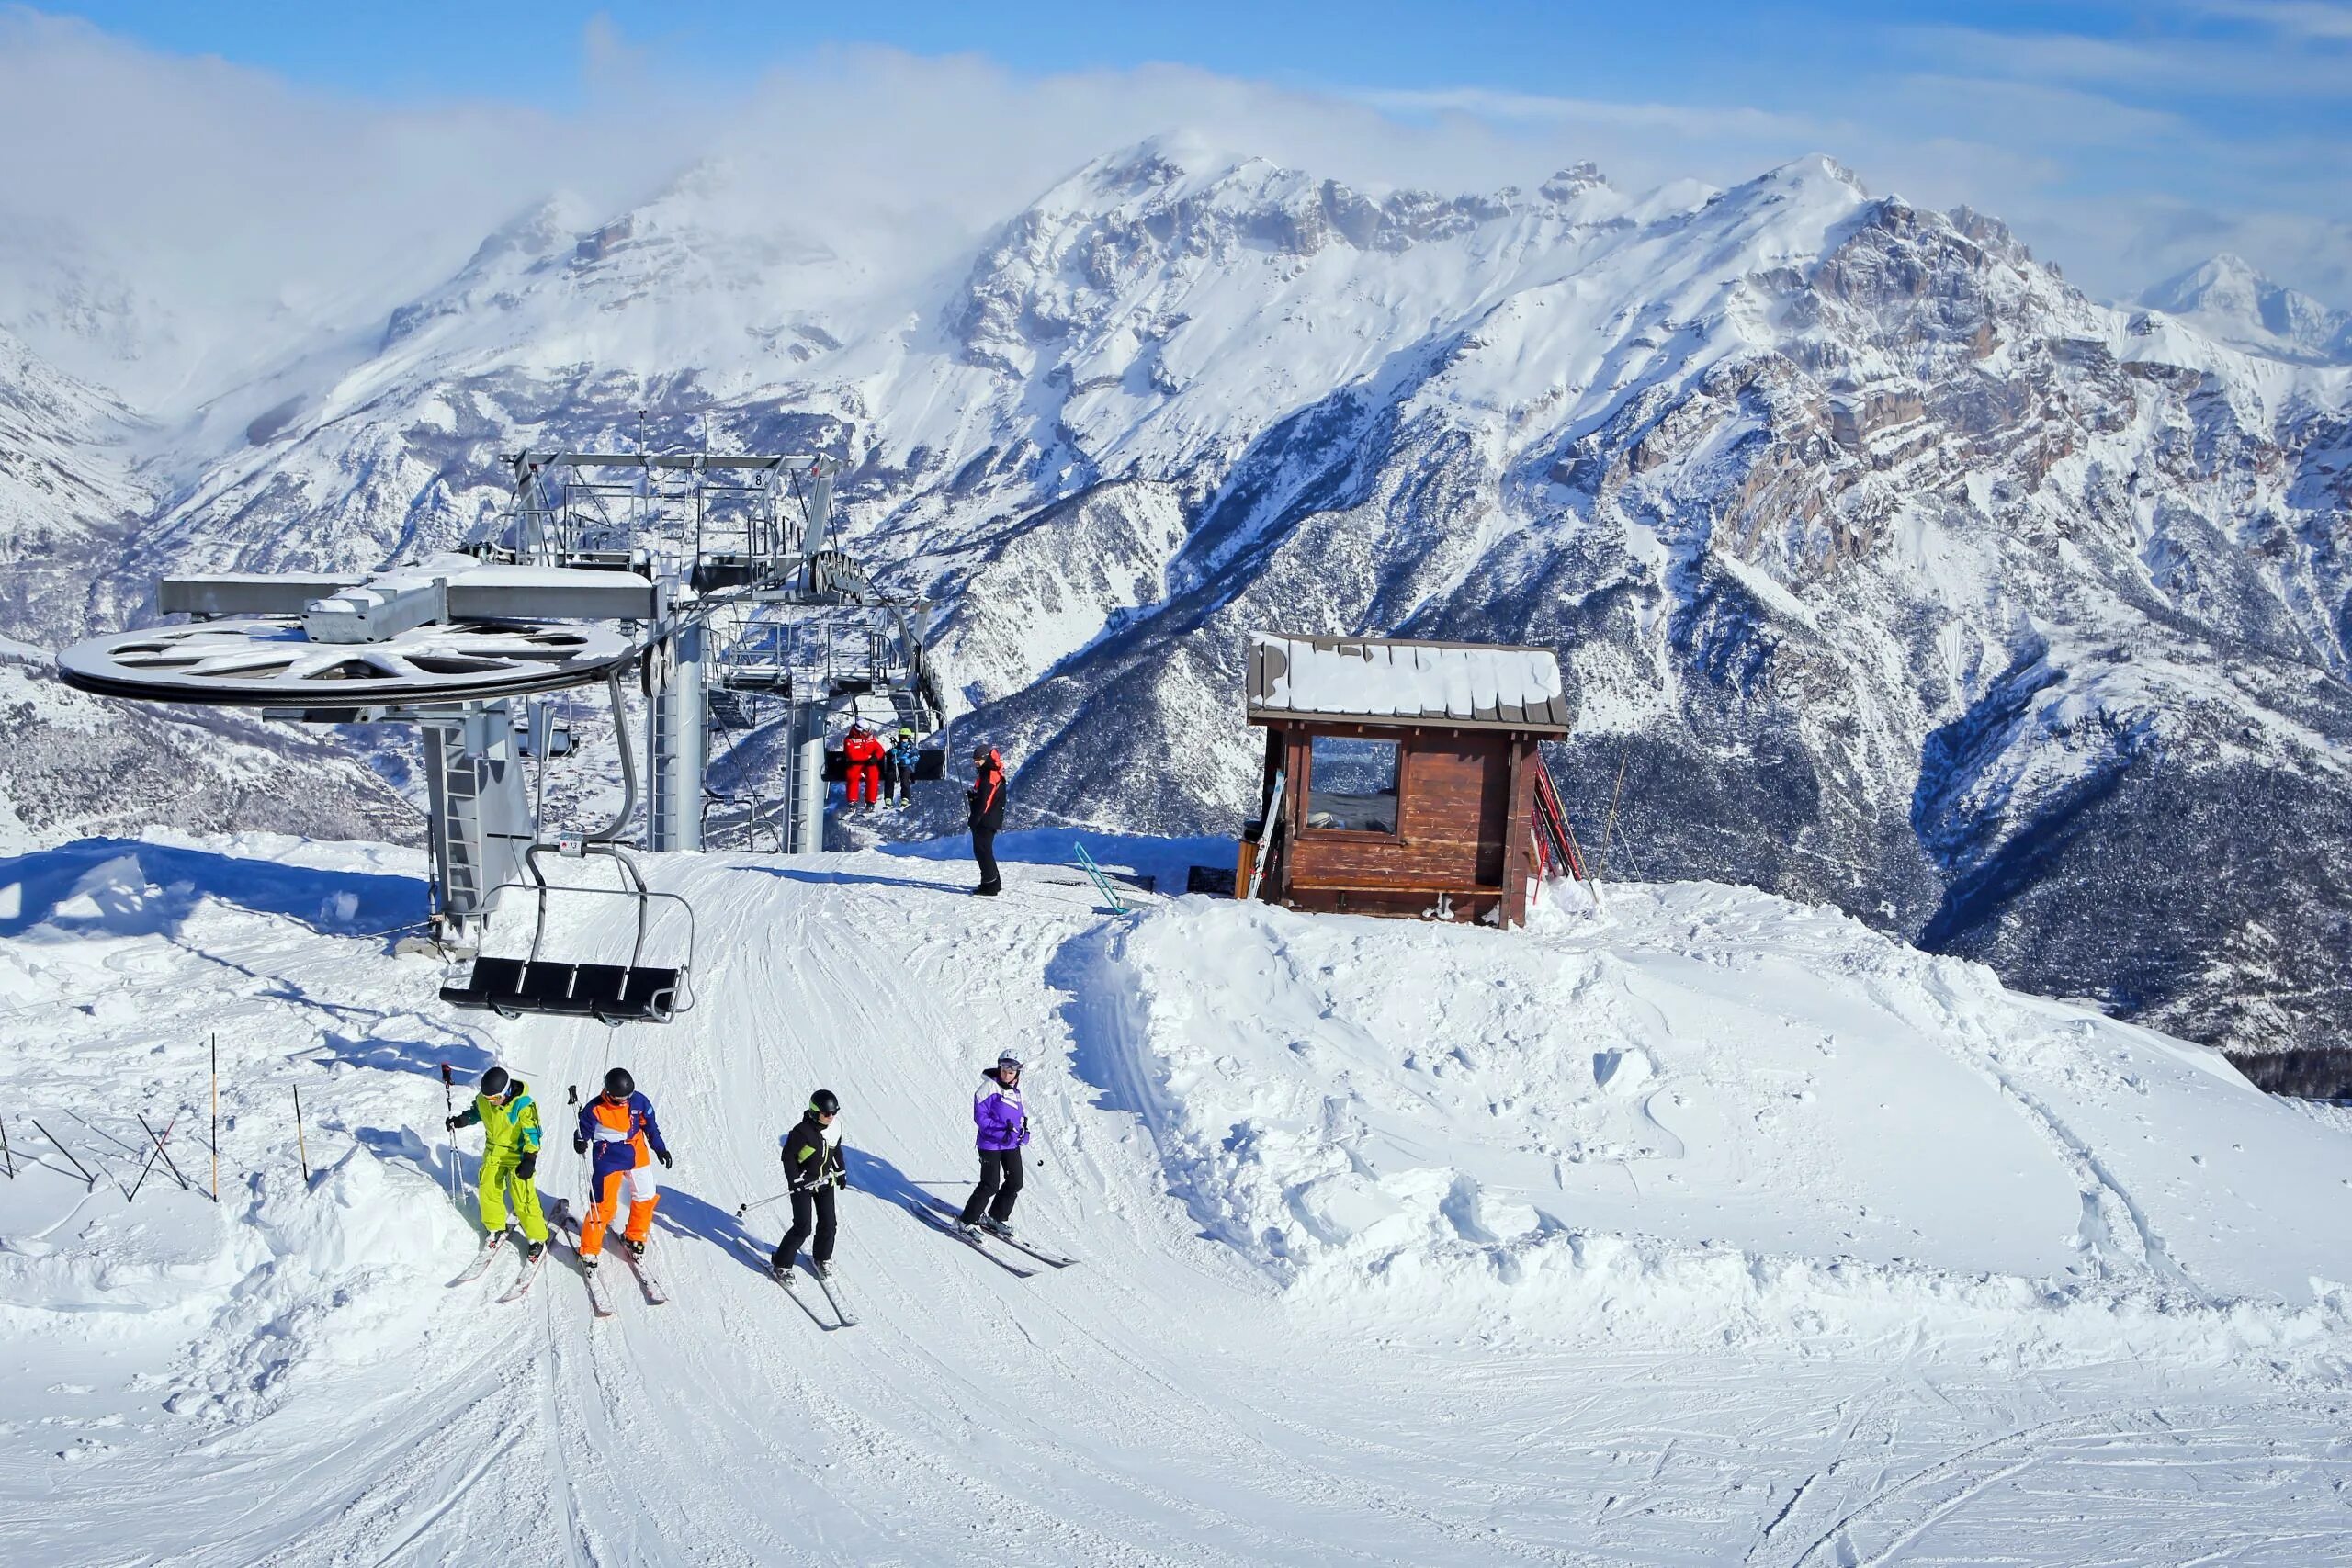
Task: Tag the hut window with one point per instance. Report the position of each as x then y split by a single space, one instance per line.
1351 784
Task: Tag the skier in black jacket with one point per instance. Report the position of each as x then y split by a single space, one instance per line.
813 1170
984 803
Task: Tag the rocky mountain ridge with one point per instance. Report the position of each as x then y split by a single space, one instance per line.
1890 569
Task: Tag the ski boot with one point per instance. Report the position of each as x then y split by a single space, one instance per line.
998 1228
531 1253
782 1271
636 1248
823 1270
588 1265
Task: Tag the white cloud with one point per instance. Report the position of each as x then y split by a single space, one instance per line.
248 212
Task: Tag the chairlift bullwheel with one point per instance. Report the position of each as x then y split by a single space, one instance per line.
257 661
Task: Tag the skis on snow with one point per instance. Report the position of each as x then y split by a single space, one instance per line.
492 1247
521 1285
569 1223
1050 1259
656 1293
948 1226
833 1299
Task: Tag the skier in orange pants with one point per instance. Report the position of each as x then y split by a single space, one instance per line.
620 1123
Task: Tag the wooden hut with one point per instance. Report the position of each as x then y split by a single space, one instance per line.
1401 778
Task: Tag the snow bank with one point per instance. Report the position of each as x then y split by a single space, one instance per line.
1714 1113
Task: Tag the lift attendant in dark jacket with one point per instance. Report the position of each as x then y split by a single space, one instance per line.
985 803
813 1171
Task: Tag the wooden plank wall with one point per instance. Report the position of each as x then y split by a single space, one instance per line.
1455 818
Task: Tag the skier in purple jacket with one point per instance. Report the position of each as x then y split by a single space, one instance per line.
1004 1126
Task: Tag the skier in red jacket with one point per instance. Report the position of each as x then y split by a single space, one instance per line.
864 749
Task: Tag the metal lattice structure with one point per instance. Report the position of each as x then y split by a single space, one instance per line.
714 576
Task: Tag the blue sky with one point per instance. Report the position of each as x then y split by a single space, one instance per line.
2124 140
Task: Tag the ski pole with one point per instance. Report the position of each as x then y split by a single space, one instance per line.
215 1118
742 1208
450 1107
587 1172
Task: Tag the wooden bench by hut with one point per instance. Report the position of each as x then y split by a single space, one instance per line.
1402 778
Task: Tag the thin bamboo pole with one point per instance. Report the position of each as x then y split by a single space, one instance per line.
299 1146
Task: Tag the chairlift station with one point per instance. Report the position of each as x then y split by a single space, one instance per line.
712 576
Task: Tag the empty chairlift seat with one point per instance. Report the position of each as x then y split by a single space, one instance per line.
634 992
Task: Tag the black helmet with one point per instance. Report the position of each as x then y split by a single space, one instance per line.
619 1084
825 1102
493 1082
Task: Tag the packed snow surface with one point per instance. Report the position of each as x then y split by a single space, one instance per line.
1700 1227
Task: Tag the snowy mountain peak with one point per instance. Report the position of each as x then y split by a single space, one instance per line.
1573 181
2228 299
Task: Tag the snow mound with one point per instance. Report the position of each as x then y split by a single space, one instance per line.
1713 1111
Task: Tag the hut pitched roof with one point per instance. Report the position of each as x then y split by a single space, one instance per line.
1387 681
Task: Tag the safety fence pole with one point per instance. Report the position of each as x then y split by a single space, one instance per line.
63 1150
159 1140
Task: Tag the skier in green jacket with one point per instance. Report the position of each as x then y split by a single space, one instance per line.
510 1156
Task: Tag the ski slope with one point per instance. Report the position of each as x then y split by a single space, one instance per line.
1709 1227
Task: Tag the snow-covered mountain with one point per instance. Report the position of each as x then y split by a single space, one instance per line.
67 496
1891 570
2229 302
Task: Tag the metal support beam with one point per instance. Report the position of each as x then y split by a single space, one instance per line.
804 779
480 814
677 740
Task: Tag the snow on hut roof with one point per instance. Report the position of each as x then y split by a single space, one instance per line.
1380 680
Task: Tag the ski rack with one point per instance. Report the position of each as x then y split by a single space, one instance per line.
610 993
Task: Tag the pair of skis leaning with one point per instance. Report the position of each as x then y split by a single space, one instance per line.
949 1222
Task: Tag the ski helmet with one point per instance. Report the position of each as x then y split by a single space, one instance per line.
494 1082
825 1102
619 1084
1008 1060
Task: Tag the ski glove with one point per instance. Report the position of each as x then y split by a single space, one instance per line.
580 1146
528 1166
450 1122
663 1156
